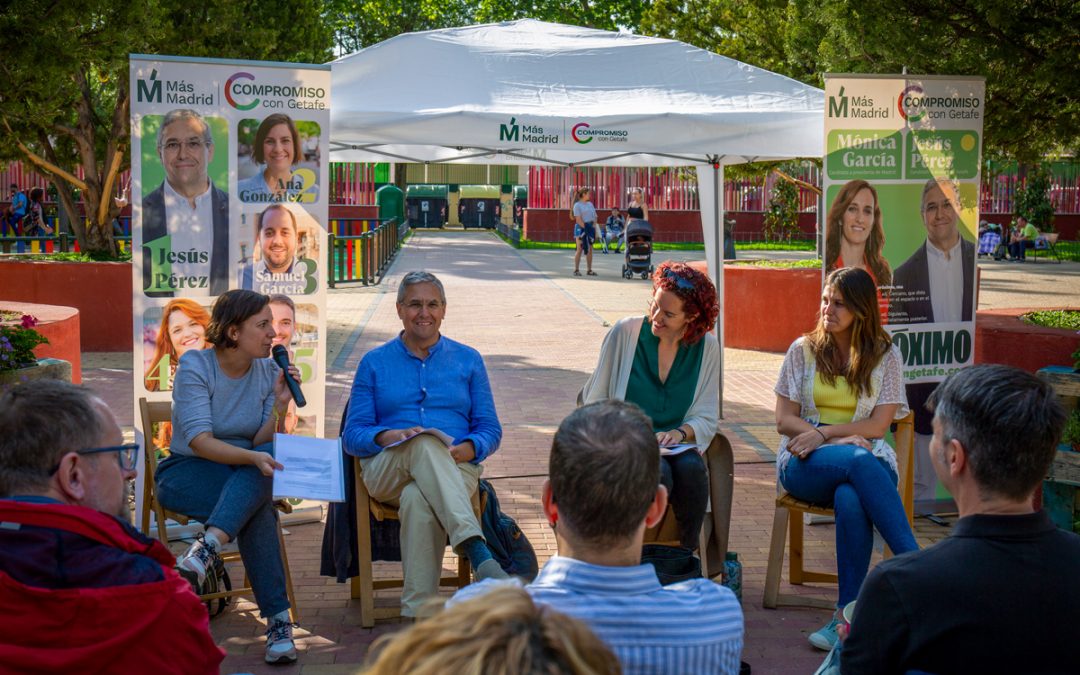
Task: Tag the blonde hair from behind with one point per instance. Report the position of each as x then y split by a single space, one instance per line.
502 632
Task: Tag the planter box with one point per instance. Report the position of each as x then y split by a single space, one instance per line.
60 325
1001 337
101 291
46 369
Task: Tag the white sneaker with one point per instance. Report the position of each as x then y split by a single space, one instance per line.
200 557
280 647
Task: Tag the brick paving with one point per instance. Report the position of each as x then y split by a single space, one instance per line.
539 329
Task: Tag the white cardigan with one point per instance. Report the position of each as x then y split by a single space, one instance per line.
612 374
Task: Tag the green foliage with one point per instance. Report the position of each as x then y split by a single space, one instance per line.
1071 433
18 340
361 23
1054 318
790 245
782 217
811 264
602 14
1026 50
1033 199
1076 360
65 97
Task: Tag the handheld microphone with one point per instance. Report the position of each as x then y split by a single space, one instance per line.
281 357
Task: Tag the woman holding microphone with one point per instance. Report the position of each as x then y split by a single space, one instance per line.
227 404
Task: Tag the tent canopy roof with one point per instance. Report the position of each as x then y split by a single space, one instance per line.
532 92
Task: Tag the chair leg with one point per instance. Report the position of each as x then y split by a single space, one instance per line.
294 609
464 572
363 585
776 558
795 548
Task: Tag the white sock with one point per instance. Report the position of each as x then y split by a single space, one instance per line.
211 539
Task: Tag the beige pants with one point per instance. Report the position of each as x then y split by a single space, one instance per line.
434 500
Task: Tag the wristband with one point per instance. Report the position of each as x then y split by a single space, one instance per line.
822 433
681 432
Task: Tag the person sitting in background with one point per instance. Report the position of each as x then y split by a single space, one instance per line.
1000 594
83 591
1023 238
613 231
840 387
502 632
602 493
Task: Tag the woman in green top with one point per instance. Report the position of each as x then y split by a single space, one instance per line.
668 363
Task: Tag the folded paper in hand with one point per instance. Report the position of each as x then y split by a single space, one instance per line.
430 431
313 468
667 451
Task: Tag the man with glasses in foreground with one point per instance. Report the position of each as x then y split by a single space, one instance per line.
83 591
417 382
188 209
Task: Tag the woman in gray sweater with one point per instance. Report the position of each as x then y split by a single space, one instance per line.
227 404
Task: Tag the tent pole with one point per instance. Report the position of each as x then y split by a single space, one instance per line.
718 256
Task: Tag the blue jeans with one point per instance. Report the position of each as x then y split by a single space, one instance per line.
862 491
238 500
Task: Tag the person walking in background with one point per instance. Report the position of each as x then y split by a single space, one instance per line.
16 211
34 225
637 209
840 387
584 230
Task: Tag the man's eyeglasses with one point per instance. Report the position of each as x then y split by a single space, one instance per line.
193 145
680 281
128 453
416 305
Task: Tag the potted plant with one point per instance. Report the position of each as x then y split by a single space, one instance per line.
18 339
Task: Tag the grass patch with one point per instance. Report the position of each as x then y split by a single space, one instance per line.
1056 318
813 263
1066 250
76 257
796 245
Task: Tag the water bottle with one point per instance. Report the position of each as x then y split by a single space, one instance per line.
733 574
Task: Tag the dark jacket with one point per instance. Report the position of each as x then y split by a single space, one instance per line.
911 300
154 225
81 592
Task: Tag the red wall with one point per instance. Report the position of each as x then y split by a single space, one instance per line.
1001 337
344 211
100 291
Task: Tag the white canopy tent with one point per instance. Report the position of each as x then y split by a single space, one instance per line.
530 92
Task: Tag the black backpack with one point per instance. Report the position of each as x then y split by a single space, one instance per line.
507 542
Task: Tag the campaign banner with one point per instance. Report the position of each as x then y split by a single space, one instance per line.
229 167
901 182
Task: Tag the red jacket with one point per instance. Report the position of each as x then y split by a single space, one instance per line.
81 592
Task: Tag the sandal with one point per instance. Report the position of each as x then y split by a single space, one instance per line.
592 274
577 274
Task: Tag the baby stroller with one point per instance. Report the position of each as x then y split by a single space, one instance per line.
638 249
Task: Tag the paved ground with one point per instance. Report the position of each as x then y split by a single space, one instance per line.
539 329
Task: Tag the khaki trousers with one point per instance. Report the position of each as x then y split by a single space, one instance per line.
433 496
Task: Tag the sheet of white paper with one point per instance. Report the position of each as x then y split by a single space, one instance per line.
313 468
431 431
677 449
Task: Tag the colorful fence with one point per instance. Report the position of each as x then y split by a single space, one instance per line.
364 256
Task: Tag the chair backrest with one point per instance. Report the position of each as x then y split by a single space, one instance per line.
904 437
151 412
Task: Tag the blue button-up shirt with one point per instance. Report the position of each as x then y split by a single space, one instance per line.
686 628
449 390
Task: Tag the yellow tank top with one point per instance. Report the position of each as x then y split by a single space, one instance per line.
836 403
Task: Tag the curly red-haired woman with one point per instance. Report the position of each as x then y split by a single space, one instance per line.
668 363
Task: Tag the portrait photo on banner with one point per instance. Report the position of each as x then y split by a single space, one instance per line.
277 160
185 205
296 327
916 239
278 250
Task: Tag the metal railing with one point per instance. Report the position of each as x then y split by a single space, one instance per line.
59 243
364 258
512 233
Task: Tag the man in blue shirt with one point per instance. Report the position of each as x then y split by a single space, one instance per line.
421 381
603 492
16 212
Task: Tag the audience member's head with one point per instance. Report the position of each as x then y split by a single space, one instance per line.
499 633
999 427
604 475
59 440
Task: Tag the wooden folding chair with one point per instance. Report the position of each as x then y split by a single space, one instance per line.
157 412
364 585
713 542
788 517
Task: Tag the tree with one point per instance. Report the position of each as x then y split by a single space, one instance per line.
361 23
65 106
1026 50
602 14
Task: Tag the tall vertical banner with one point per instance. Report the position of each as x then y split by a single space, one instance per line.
229 172
901 183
